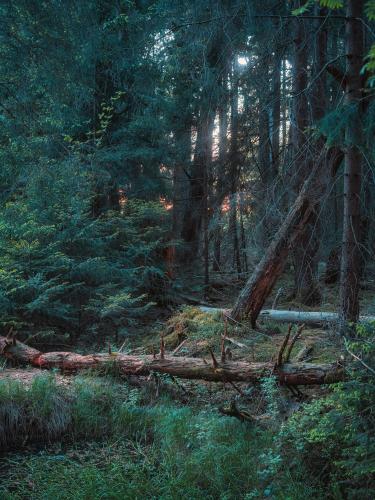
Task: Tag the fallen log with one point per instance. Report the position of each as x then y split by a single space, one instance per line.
182 367
284 316
307 317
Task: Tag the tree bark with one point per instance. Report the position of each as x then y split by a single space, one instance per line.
306 287
189 368
351 254
234 165
221 168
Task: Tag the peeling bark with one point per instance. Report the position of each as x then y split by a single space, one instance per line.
183 367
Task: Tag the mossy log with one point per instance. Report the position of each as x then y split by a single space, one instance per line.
183 367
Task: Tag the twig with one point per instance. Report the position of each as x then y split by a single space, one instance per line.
233 411
279 360
234 342
179 347
162 346
303 353
214 361
358 358
293 341
277 297
179 385
237 389
223 337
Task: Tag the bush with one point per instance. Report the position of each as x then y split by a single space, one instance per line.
334 437
64 271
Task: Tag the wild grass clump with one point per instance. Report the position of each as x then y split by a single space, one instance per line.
46 411
116 446
27 414
191 455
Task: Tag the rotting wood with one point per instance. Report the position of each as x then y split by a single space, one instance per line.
182 367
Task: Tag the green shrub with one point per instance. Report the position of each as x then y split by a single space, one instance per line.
61 269
334 437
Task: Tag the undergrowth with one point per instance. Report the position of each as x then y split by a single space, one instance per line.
118 443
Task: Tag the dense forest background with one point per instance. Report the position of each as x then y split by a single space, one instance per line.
145 141
158 154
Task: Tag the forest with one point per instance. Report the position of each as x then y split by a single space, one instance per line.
187 243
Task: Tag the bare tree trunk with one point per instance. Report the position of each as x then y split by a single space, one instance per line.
304 282
313 318
181 185
305 254
351 255
221 170
234 170
194 216
189 368
276 109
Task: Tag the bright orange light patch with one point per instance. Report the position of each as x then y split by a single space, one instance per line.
167 204
225 206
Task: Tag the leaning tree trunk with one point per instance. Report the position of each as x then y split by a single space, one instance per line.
260 284
351 254
189 368
305 253
265 275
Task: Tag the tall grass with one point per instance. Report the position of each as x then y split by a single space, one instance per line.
115 448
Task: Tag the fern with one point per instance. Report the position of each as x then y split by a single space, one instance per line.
370 10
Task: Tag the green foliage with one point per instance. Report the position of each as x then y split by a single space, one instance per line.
61 267
334 436
331 4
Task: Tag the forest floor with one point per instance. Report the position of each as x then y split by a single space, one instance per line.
198 331
122 438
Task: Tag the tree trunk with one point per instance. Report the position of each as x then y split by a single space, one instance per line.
195 214
306 288
351 254
234 165
222 160
276 108
189 368
260 284
332 272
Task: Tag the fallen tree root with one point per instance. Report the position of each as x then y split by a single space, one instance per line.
182 367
